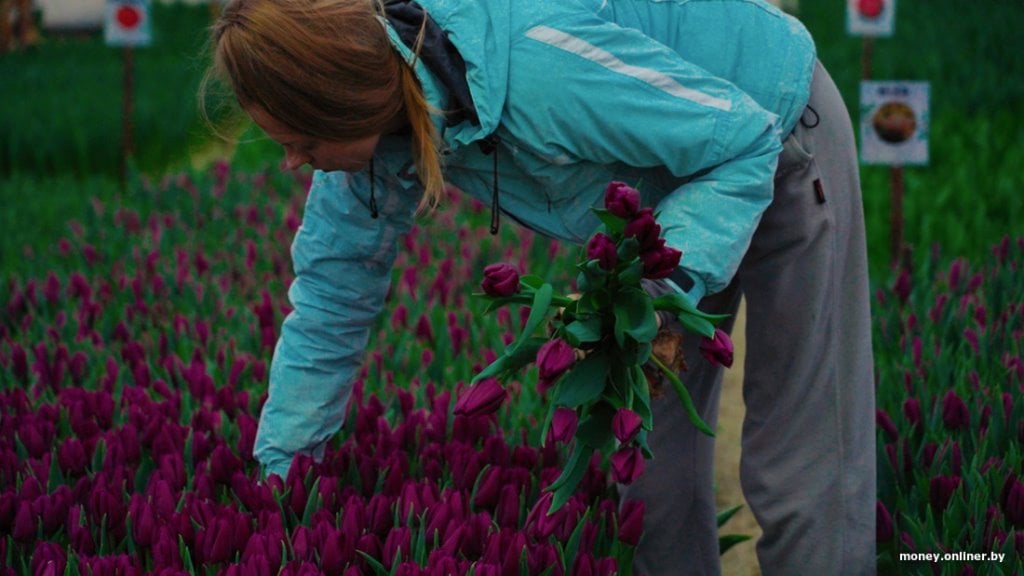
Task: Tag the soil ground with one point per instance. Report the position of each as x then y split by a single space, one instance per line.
740 560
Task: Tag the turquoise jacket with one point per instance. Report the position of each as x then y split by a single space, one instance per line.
691 97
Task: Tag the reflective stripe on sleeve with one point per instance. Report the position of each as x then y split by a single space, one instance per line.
659 80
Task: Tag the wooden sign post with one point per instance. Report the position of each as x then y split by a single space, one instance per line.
126 26
870 19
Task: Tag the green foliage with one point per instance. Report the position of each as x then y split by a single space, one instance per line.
970 192
950 372
63 99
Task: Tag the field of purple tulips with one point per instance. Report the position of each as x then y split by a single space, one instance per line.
133 358
133 362
951 415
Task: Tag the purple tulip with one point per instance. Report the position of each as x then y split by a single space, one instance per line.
940 491
19 363
563 424
500 280
621 200
554 358
912 411
49 559
954 411
717 350
883 523
540 521
884 421
902 286
506 513
397 545
336 550
626 425
584 564
24 529
631 522
661 261
481 399
602 248
71 457
1012 501
627 465
644 228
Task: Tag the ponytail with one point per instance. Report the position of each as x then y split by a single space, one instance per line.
425 141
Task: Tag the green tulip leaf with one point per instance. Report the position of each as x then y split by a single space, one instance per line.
634 316
585 329
584 382
596 429
614 225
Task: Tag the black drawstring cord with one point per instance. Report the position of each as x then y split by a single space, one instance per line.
817 119
495 206
489 146
373 198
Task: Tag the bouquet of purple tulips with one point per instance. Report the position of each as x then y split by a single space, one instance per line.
595 349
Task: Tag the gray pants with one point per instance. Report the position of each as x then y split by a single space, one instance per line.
808 448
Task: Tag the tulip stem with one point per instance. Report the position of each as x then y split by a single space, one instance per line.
684 395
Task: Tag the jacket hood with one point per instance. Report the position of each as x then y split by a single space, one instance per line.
480 33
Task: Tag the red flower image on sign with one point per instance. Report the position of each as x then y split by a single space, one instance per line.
128 16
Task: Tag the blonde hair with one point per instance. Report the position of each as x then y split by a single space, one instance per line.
326 69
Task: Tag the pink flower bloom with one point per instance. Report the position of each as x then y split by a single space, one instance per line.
717 350
483 398
602 248
626 425
500 280
621 200
627 465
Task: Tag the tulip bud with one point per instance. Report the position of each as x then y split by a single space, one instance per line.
621 199
883 523
954 411
1013 502
602 248
644 228
48 558
483 398
940 491
563 424
397 545
626 425
584 564
631 522
488 488
506 513
24 529
717 350
627 465
885 422
554 358
912 411
661 261
500 280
